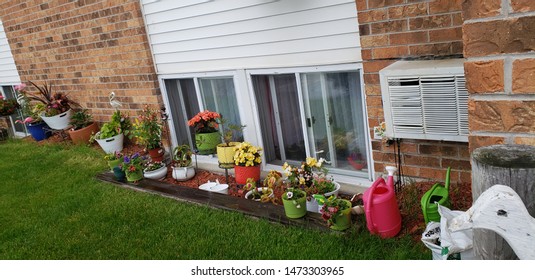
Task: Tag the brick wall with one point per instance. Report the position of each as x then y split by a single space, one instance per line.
500 71
393 30
86 48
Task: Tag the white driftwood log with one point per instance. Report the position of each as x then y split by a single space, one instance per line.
511 165
501 210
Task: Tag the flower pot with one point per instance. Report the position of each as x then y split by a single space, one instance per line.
156 154
119 174
334 192
183 173
342 220
225 154
295 208
38 131
134 176
242 173
112 144
82 135
59 121
207 142
114 163
249 194
157 174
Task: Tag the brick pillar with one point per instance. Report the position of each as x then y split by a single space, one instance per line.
500 71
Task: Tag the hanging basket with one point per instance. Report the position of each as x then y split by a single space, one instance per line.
59 121
112 144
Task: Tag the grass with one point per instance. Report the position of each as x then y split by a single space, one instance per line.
51 207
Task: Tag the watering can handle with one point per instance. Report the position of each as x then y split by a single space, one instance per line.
368 204
447 182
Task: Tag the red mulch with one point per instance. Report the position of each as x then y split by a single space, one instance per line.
408 199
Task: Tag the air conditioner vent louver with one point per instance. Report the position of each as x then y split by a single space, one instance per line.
425 100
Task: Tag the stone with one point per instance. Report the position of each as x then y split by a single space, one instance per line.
502 116
484 76
524 76
481 9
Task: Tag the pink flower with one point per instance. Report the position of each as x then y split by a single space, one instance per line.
20 87
1 97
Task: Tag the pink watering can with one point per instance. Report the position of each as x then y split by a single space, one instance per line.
381 208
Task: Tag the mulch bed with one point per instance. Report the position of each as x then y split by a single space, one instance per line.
408 198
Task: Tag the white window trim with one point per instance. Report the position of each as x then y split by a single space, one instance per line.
246 99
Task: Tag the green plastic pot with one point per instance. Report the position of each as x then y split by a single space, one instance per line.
342 220
295 208
207 142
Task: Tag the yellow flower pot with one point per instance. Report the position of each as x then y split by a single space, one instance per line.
225 154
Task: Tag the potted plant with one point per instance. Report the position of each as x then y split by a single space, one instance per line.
183 169
8 107
155 170
147 130
37 128
207 136
133 167
263 194
57 113
294 201
311 177
225 150
114 159
247 160
336 212
82 127
111 134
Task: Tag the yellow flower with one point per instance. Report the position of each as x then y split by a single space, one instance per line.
311 161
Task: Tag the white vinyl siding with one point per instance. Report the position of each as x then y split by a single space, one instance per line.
202 35
8 70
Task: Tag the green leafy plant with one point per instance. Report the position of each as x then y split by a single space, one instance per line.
81 119
113 156
32 111
147 129
182 156
118 124
333 207
229 131
310 177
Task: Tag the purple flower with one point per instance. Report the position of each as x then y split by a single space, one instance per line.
126 160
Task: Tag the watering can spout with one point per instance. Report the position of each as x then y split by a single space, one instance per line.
390 181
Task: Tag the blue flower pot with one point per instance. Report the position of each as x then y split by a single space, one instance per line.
37 131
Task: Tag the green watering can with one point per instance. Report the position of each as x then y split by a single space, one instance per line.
437 193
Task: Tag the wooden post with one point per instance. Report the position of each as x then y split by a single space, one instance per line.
510 165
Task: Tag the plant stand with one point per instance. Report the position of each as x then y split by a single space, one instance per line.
62 133
226 166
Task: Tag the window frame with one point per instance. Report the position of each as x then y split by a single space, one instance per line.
297 71
12 124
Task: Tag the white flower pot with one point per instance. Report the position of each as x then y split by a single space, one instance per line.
59 121
183 173
156 174
250 193
214 187
112 144
335 192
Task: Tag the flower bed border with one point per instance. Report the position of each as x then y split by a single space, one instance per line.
269 211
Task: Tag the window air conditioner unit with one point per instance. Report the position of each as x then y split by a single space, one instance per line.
425 100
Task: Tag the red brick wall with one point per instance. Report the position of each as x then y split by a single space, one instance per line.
500 71
392 30
86 48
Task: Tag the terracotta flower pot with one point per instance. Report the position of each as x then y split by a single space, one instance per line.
242 173
157 154
81 136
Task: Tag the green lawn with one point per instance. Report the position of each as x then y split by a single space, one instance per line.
52 207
